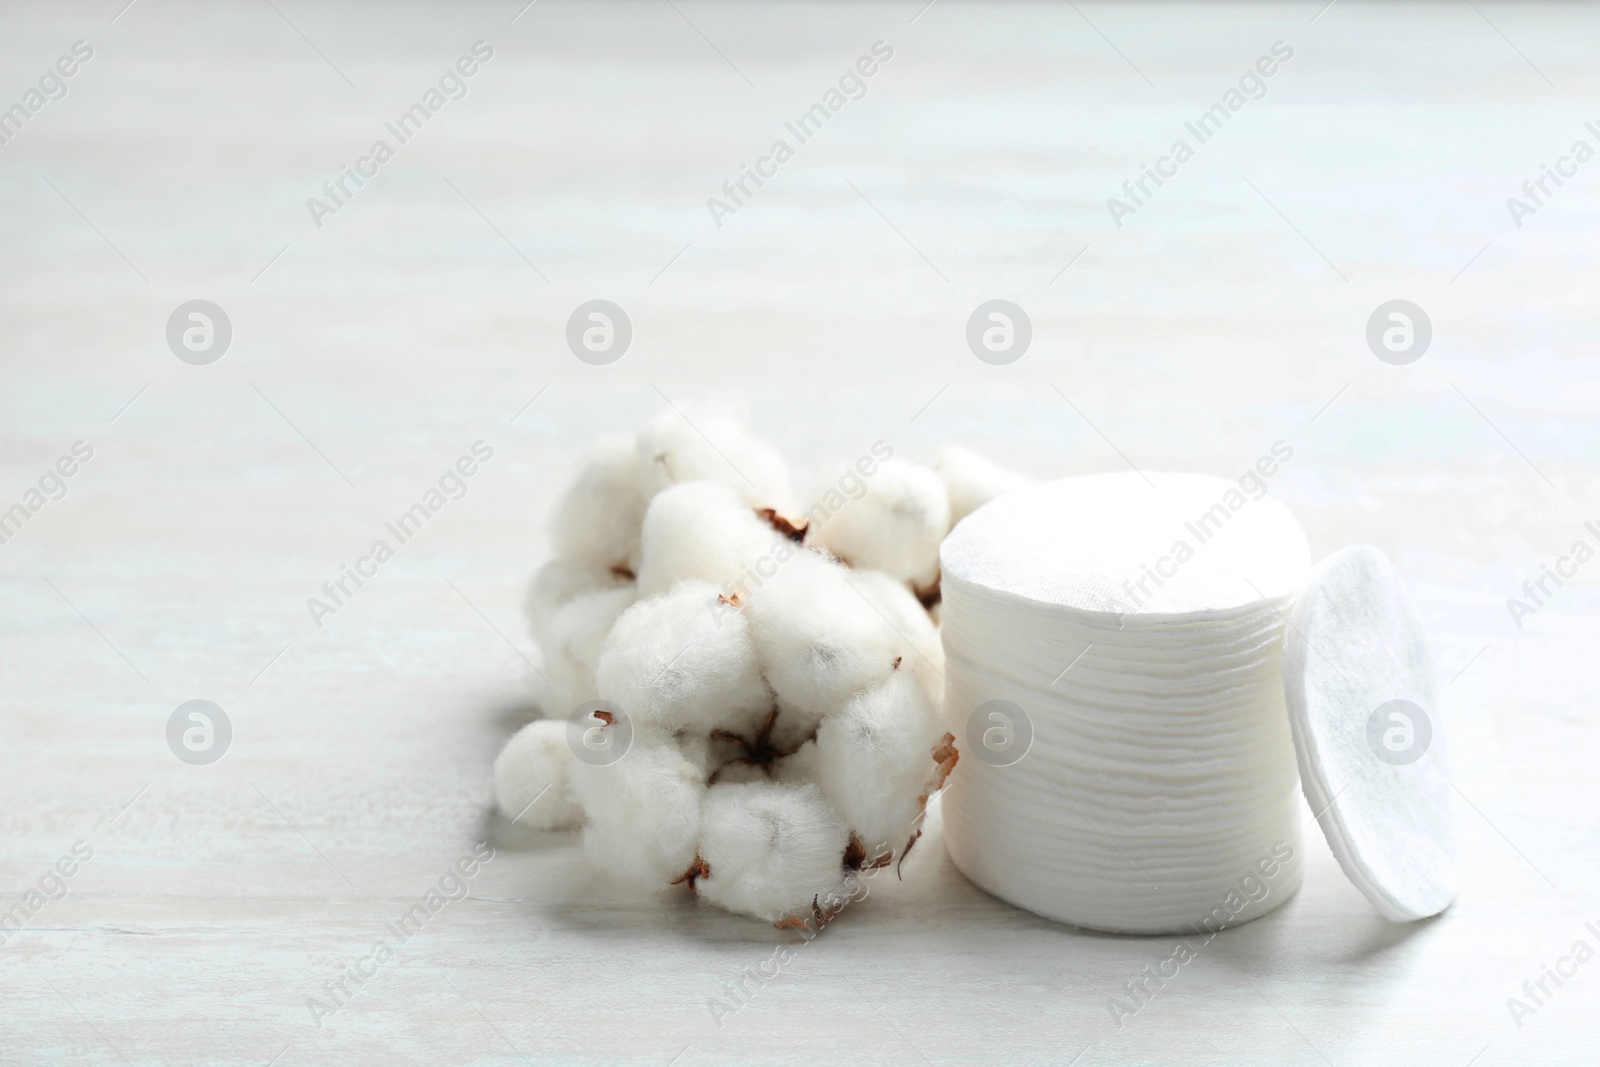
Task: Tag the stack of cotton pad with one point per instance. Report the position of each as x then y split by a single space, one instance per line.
1126 631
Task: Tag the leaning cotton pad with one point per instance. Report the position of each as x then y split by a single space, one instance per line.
1359 687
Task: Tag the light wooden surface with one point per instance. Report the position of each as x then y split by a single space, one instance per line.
1226 314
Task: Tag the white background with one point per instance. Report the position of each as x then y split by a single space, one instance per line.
369 353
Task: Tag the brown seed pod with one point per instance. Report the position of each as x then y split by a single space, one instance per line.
793 530
855 856
906 852
945 757
698 869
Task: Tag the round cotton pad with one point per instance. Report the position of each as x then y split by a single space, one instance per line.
1122 543
1358 683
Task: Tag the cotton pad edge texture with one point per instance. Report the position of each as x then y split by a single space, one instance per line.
1368 734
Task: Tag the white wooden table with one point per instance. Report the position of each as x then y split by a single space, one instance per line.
428 313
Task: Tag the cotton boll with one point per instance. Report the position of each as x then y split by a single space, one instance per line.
896 527
682 444
874 758
532 785
702 530
577 633
819 640
920 646
597 519
773 849
644 812
555 585
972 480
712 441
684 660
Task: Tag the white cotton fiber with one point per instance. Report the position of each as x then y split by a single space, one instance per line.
818 639
711 441
531 782
702 530
971 480
896 527
796 724
874 757
699 750
773 849
800 767
736 771
796 768
597 519
577 634
555 585
644 812
684 659
920 646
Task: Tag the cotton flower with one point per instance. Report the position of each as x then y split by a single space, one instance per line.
712 442
700 530
532 785
643 812
779 684
772 849
819 640
971 480
920 648
896 527
873 758
597 519
684 659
